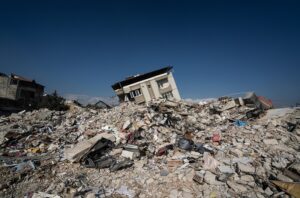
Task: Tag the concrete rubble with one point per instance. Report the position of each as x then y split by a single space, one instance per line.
224 148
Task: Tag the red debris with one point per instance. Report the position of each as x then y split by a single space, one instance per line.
216 137
267 104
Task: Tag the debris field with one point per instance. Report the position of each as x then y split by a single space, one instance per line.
223 148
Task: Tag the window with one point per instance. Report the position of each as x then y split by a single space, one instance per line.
13 81
163 83
167 95
26 94
126 98
135 93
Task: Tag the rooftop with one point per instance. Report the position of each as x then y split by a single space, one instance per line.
141 77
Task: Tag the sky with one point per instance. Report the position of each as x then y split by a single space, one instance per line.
216 47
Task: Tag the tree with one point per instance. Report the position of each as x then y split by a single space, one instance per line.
53 102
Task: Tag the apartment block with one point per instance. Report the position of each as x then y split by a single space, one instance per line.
18 88
142 88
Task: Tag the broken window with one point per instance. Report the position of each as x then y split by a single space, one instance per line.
126 98
167 95
135 93
13 81
27 94
163 83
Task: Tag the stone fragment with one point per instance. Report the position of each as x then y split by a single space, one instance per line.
191 119
280 163
246 168
90 195
229 105
236 152
247 178
164 172
195 154
126 125
211 179
74 154
129 154
149 181
173 193
225 169
259 195
2 136
236 187
43 195
268 191
199 176
280 194
284 178
223 177
270 141
210 163
187 194
174 164
116 151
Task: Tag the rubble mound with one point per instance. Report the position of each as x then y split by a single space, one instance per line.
164 149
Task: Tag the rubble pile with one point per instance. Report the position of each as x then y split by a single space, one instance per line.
225 148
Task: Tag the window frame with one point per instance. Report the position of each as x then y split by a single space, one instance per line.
135 93
13 81
167 95
161 82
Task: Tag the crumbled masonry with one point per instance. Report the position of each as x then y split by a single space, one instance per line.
224 148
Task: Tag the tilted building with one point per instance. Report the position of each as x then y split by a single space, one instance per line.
18 88
145 87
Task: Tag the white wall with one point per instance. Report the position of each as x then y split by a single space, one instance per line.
154 86
175 91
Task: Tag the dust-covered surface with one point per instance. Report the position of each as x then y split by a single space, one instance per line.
164 149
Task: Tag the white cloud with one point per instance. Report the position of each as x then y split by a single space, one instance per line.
198 100
86 99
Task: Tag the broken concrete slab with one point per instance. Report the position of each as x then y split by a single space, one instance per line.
74 154
237 187
199 176
231 104
225 169
130 154
270 141
210 178
209 162
246 168
284 178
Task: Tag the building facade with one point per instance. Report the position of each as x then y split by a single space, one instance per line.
18 88
145 87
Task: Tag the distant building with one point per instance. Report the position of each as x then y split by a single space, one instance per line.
18 88
145 87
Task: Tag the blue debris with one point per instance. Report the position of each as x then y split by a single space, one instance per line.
240 123
25 166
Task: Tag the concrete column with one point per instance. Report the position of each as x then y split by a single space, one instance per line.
174 87
155 89
145 92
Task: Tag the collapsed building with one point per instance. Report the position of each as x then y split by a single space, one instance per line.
224 148
229 147
143 88
17 89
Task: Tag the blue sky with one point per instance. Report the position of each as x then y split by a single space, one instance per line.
216 47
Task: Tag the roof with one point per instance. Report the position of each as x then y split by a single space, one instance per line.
21 78
141 77
3 74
